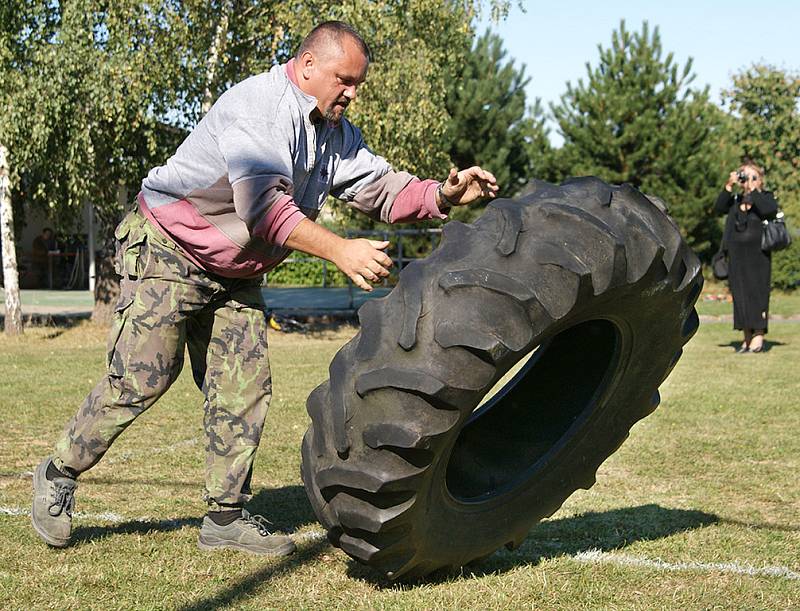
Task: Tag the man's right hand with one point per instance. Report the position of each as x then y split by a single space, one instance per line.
363 261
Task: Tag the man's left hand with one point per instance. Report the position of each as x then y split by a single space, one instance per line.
464 187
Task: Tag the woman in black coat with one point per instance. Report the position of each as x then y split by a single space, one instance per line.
749 267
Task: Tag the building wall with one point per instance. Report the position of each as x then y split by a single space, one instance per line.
35 222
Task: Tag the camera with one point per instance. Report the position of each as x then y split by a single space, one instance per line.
742 176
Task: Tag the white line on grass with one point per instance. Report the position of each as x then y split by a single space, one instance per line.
108 516
592 556
595 556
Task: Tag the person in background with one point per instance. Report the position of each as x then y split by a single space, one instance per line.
43 244
749 266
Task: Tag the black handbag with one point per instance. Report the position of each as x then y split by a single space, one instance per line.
719 265
775 234
719 262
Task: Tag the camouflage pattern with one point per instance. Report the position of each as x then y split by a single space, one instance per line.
167 303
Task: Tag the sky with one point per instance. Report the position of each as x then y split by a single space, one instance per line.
555 39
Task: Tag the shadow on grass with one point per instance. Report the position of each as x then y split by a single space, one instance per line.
761 525
86 534
287 507
290 509
133 481
58 323
608 530
768 345
246 587
604 531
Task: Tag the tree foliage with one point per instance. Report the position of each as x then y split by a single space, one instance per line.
489 125
114 86
91 82
83 104
764 103
636 120
106 78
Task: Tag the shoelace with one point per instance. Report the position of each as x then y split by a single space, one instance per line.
64 501
260 523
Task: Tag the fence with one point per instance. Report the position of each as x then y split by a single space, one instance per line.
423 242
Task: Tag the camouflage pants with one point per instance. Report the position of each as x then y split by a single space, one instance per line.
166 304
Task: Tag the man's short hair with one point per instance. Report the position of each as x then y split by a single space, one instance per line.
332 32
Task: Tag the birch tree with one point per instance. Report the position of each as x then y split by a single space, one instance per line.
13 318
218 44
91 73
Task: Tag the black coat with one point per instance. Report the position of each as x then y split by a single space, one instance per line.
749 266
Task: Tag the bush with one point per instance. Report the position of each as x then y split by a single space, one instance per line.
306 273
786 266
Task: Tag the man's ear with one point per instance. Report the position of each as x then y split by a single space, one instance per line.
307 64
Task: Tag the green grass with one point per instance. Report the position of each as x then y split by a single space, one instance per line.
710 478
54 298
715 301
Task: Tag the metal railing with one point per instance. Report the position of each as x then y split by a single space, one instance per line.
395 236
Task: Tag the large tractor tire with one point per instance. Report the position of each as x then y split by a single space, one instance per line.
406 468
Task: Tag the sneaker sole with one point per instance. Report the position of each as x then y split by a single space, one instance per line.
60 543
209 546
47 538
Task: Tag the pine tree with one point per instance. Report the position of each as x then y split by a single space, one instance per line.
488 125
636 120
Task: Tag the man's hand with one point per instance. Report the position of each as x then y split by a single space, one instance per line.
464 187
363 261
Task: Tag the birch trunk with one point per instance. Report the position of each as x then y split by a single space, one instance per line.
13 319
217 48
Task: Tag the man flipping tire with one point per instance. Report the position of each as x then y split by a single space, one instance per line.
240 193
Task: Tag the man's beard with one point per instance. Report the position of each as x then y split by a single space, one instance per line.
330 114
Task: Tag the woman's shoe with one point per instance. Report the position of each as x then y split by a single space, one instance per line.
742 350
757 350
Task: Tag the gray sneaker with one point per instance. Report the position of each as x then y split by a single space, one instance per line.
248 533
52 506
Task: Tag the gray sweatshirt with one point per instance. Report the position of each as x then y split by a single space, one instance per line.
256 165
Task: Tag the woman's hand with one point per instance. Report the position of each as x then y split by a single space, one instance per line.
733 178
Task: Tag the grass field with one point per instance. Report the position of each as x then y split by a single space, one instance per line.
699 509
